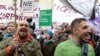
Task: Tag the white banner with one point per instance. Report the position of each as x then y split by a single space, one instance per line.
63 13
7 14
85 7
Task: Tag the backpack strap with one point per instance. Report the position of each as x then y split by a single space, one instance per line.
85 49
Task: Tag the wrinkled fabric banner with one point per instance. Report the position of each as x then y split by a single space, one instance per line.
95 25
85 7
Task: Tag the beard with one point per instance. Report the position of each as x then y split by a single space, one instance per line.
23 32
84 38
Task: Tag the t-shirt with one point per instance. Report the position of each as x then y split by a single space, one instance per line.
71 48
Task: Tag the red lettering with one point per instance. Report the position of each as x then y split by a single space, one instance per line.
12 15
16 16
0 13
58 7
7 15
20 18
25 17
3 16
0 16
10 8
64 8
35 9
3 7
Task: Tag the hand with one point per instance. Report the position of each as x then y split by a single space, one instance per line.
15 42
56 34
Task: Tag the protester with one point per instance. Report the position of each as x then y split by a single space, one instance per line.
67 29
77 45
97 49
2 30
21 44
10 30
59 35
47 44
32 33
31 24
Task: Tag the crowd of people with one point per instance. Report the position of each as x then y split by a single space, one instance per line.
77 39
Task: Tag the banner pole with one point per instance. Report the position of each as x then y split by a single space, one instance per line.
15 11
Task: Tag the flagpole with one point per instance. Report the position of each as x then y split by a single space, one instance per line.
15 11
14 4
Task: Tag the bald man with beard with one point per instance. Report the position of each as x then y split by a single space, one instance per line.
21 44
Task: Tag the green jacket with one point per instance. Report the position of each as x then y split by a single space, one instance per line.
71 48
25 47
